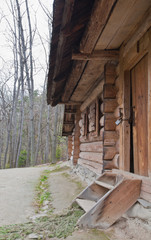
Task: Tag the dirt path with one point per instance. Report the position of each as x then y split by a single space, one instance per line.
17 187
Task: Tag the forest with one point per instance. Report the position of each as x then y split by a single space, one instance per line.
30 130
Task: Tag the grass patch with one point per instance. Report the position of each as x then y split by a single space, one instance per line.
60 226
60 169
42 193
79 184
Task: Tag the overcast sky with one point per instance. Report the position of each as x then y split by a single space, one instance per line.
5 49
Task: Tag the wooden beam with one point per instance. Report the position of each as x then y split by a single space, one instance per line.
104 55
74 77
140 30
99 17
67 14
93 96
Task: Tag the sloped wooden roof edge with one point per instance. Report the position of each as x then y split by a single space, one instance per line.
69 21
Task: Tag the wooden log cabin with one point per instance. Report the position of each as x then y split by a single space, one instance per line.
100 68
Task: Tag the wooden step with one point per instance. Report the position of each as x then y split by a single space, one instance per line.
112 205
103 184
85 204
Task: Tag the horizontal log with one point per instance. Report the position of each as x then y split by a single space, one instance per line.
93 166
146 187
109 105
97 91
110 73
110 138
90 138
109 91
101 55
146 196
91 147
109 153
113 164
92 156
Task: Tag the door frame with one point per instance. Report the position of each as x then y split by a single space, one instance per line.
127 62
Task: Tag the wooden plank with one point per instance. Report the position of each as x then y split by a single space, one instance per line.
149 106
73 78
109 153
91 74
76 137
92 156
69 146
125 124
110 138
140 30
140 129
97 116
91 147
98 20
109 91
112 206
145 186
105 185
93 96
67 14
137 52
109 105
102 55
85 204
124 18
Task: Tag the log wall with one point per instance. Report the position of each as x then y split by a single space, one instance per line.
99 136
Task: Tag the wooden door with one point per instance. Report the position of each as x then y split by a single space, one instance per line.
139 103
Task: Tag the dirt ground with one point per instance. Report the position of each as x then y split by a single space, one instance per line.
17 189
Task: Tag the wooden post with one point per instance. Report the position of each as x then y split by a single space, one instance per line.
125 124
77 137
149 107
69 147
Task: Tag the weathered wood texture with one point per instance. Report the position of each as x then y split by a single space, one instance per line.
109 105
110 138
110 135
125 17
118 202
139 77
92 156
73 78
76 137
102 55
93 166
97 91
91 147
145 192
98 20
109 91
69 147
89 77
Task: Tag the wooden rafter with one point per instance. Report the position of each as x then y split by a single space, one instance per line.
67 14
99 17
104 55
74 77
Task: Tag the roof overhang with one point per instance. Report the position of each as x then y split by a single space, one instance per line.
86 35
